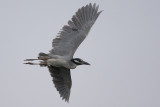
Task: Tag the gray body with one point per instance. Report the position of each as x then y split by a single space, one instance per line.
61 62
60 59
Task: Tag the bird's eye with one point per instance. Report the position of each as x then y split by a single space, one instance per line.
80 60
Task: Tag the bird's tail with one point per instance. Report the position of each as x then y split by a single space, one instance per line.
43 55
43 60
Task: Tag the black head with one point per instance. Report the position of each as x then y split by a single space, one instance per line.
79 61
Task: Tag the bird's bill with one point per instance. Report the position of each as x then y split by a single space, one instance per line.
86 63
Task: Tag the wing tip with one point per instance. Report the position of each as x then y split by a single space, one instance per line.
65 97
86 14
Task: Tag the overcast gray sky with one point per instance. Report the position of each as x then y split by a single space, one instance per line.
123 48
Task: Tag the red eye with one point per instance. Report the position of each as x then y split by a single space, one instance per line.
80 60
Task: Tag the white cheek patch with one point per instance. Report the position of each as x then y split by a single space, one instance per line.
76 61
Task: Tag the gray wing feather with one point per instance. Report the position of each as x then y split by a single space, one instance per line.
73 34
62 81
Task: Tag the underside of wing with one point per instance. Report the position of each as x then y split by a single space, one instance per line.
62 81
72 35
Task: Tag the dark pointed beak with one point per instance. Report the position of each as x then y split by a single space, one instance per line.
86 63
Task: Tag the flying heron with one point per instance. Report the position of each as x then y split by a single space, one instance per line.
60 59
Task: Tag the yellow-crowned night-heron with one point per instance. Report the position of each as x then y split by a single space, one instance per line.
60 59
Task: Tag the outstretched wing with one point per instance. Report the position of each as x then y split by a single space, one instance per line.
62 81
73 34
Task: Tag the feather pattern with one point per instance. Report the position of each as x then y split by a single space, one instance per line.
73 34
62 81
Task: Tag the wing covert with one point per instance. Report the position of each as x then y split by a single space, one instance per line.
73 34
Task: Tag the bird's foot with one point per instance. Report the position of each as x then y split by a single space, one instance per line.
30 63
41 64
36 59
30 59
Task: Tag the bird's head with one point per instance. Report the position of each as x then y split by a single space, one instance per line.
79 61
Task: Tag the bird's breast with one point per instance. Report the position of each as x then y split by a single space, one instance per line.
56 62
60 63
